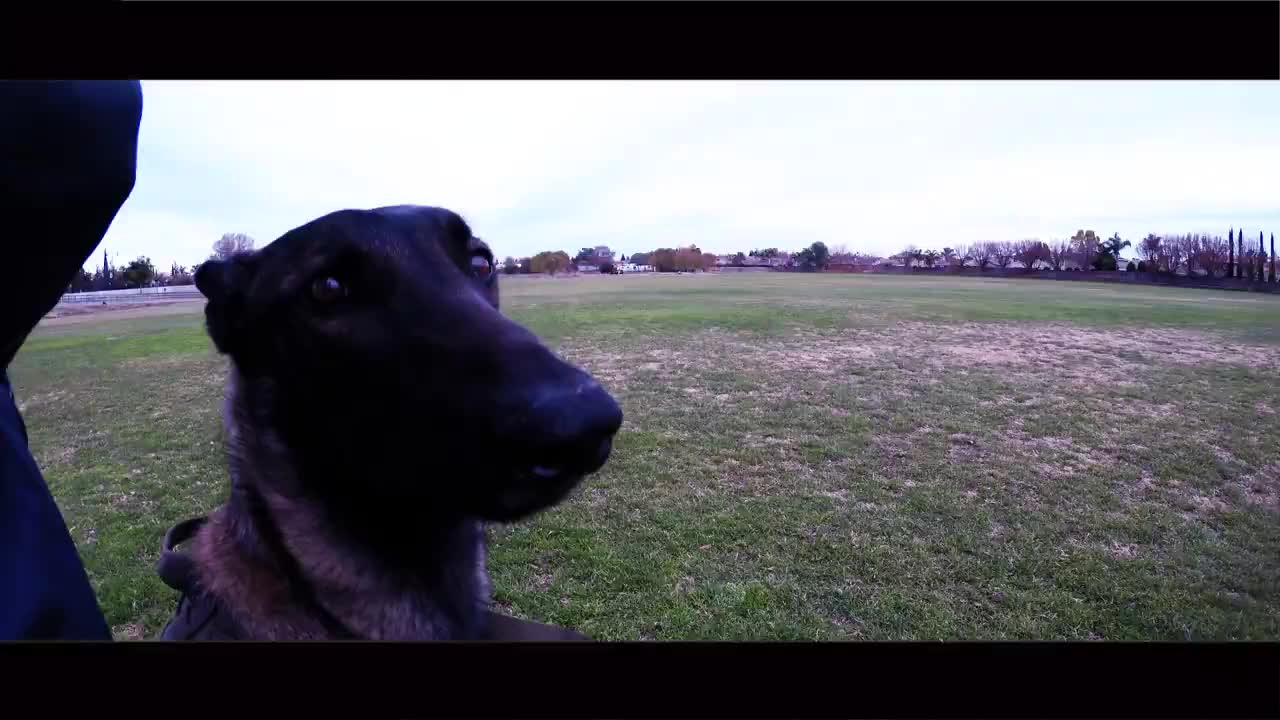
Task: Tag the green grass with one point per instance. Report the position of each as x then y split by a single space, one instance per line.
804 457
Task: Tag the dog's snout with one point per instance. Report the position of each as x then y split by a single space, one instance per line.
571 427
551 435
568 429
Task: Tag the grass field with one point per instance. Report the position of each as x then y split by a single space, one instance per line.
804 457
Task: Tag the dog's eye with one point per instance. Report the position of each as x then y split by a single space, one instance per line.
480 266
328 289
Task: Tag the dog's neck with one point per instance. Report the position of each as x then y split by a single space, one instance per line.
276 559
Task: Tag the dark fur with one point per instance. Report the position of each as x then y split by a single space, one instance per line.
370 439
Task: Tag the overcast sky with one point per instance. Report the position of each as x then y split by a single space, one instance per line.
730 166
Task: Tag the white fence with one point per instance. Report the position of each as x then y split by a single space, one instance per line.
151 294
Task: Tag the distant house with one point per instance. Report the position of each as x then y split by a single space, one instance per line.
1037 265
591 261
852 265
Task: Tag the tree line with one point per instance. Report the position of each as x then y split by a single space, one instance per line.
142 273
138 273
680 259
1192 254
1196 254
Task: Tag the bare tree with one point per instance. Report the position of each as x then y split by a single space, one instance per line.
1212 255
1030 252
980 254
1059 253
1190 248
1249 263
231 244
1085 244
1149 250
1172 253
1003 253
960 256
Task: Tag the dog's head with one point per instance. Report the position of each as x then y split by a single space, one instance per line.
371 343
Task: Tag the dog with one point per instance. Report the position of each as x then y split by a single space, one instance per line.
379 411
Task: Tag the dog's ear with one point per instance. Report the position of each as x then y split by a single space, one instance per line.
223 284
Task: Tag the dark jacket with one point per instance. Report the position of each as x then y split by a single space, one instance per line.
68 153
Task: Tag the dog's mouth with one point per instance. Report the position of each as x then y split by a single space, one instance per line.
554 435
542 484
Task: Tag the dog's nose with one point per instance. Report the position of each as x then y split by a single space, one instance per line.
569 429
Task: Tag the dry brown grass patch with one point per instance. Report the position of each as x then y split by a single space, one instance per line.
1054 456
894 446
73 314
1138 491
998 533
38 399
1123 551
1262 487
1072 353
129 631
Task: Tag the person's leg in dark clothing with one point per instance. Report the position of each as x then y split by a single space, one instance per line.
68 156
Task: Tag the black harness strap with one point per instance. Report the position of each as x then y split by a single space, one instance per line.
174 568
199 616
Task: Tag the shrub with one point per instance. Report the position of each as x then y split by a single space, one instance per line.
1131 267
1142 266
